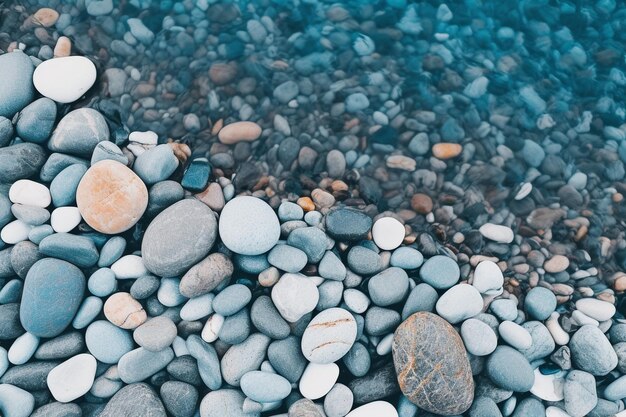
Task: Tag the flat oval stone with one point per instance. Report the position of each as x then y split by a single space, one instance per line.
73 378
239 131
53 291
179 237
16 87
596 309
64 185
318 379
479 337
111 198
156 334
249 226
134 400
244 357
287 258
124 311
440 271
79 250
22 160
140 364
265 387
107 342
329 336
79 132
64 79
347 224
510 370
388 287
422 344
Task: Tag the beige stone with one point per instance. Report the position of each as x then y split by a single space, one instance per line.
447 150
124 311
111 198
239 132
63 47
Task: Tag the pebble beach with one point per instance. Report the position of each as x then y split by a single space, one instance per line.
303 208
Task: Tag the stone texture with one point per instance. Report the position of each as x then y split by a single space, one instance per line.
134 400
206 275
432 365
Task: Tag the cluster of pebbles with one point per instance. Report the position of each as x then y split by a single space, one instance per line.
372 223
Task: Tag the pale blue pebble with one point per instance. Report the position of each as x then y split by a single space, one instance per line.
56 163
107 342
232 299
23 348
287 258
169 294
363 45
180 347
156 164
32 215
290 211
331 267
406 258
5 210
356 102
87 312
15 402
533 153
351 157
265 387
504 309
229 192
406 408
107 150
11 292
197 307
252 264
616 390
4 360
112 250
208 361
140 364
422 297
38 233
313 218
102 282
78 250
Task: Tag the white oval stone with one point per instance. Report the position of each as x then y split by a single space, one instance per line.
553 411
15 232
515 335
64 79
23 349
356 301
145 138
29 193
478 337
497 233
384 346
524 190
374 409
72 378
388 233
212 327
249 226
129 267
318 379
596 309
329 336
560 336
488 277
295 295
548 387
459 303
65 219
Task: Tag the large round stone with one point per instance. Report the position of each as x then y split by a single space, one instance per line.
249 226
111 197
179 237
432 366
16 85
53 291
79 132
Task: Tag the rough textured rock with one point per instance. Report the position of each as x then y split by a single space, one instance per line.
134 400
432 365
206 275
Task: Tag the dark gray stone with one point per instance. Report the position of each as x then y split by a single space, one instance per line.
30 376
267 319
180 398
35 121
347 224
61 347
58 410
134 400
20 161
377 385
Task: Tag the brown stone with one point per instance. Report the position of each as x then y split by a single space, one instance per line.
45 17
239 132
432 366
446 150
422 203
111 198
222 73
306 203
206 275
124 311
63 47
213 197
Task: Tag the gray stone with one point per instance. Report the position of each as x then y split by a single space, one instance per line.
265 387
140 363
244 357
311 240
208 361
23 256
358 360
35 121
287 258
579 391
425 341
376 385
338 402
6 131
178 238
16 83
510 370
236 328
484 407
134 400
206 275
529 407
388 287
156 164
540 303
64 185
224 402
20 161
380 321
440 271
58 410
543 343
304 408
331 267
364 261
156 334
31 376
286 91
421 298
79 132
10 326
592 351
286 358
79 250
61 347
56 163
267 319
180 398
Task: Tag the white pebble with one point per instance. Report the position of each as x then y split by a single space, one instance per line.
29 193
197 307
553 411
212 328
73 378
524 190
356 301
515 335
497 233
560 336
15 232
23 348
318 379
374 409
180 347
488 278
64 79
548 387
596 309
145 138
65 219
580 319
459 303
388 233
129 267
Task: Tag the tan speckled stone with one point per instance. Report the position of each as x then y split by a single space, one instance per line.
124 311
111 198
63 47
239 132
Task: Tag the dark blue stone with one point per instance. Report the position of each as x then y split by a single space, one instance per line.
196 177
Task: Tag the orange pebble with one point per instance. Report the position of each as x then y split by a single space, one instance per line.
447 150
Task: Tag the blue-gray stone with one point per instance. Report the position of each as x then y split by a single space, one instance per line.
31 376
16 83
330 294
252 264
533 153
38 233
406 258
364 261
543 343
79 132
140 31
179 398
267 319
56 163
53 291
231 299
287 359
510 370
244 357
144 287
421 298
23 257
10 326
14 401
265 387
331 267
35 121
156 164
87 312
102 283
348 224
11 291
529 407
32 215
484 407
58 410
208 361
286 91
388 287
236 328
140 363
440 271
61 347
112 250
224 402
381 321
79 250
133 401
356 102
6 269
20 161
504 309
106 150
107 342
579 392
290 211
592 351
5 210
287 258
540 302
311 240
196 177
162 195
6 131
